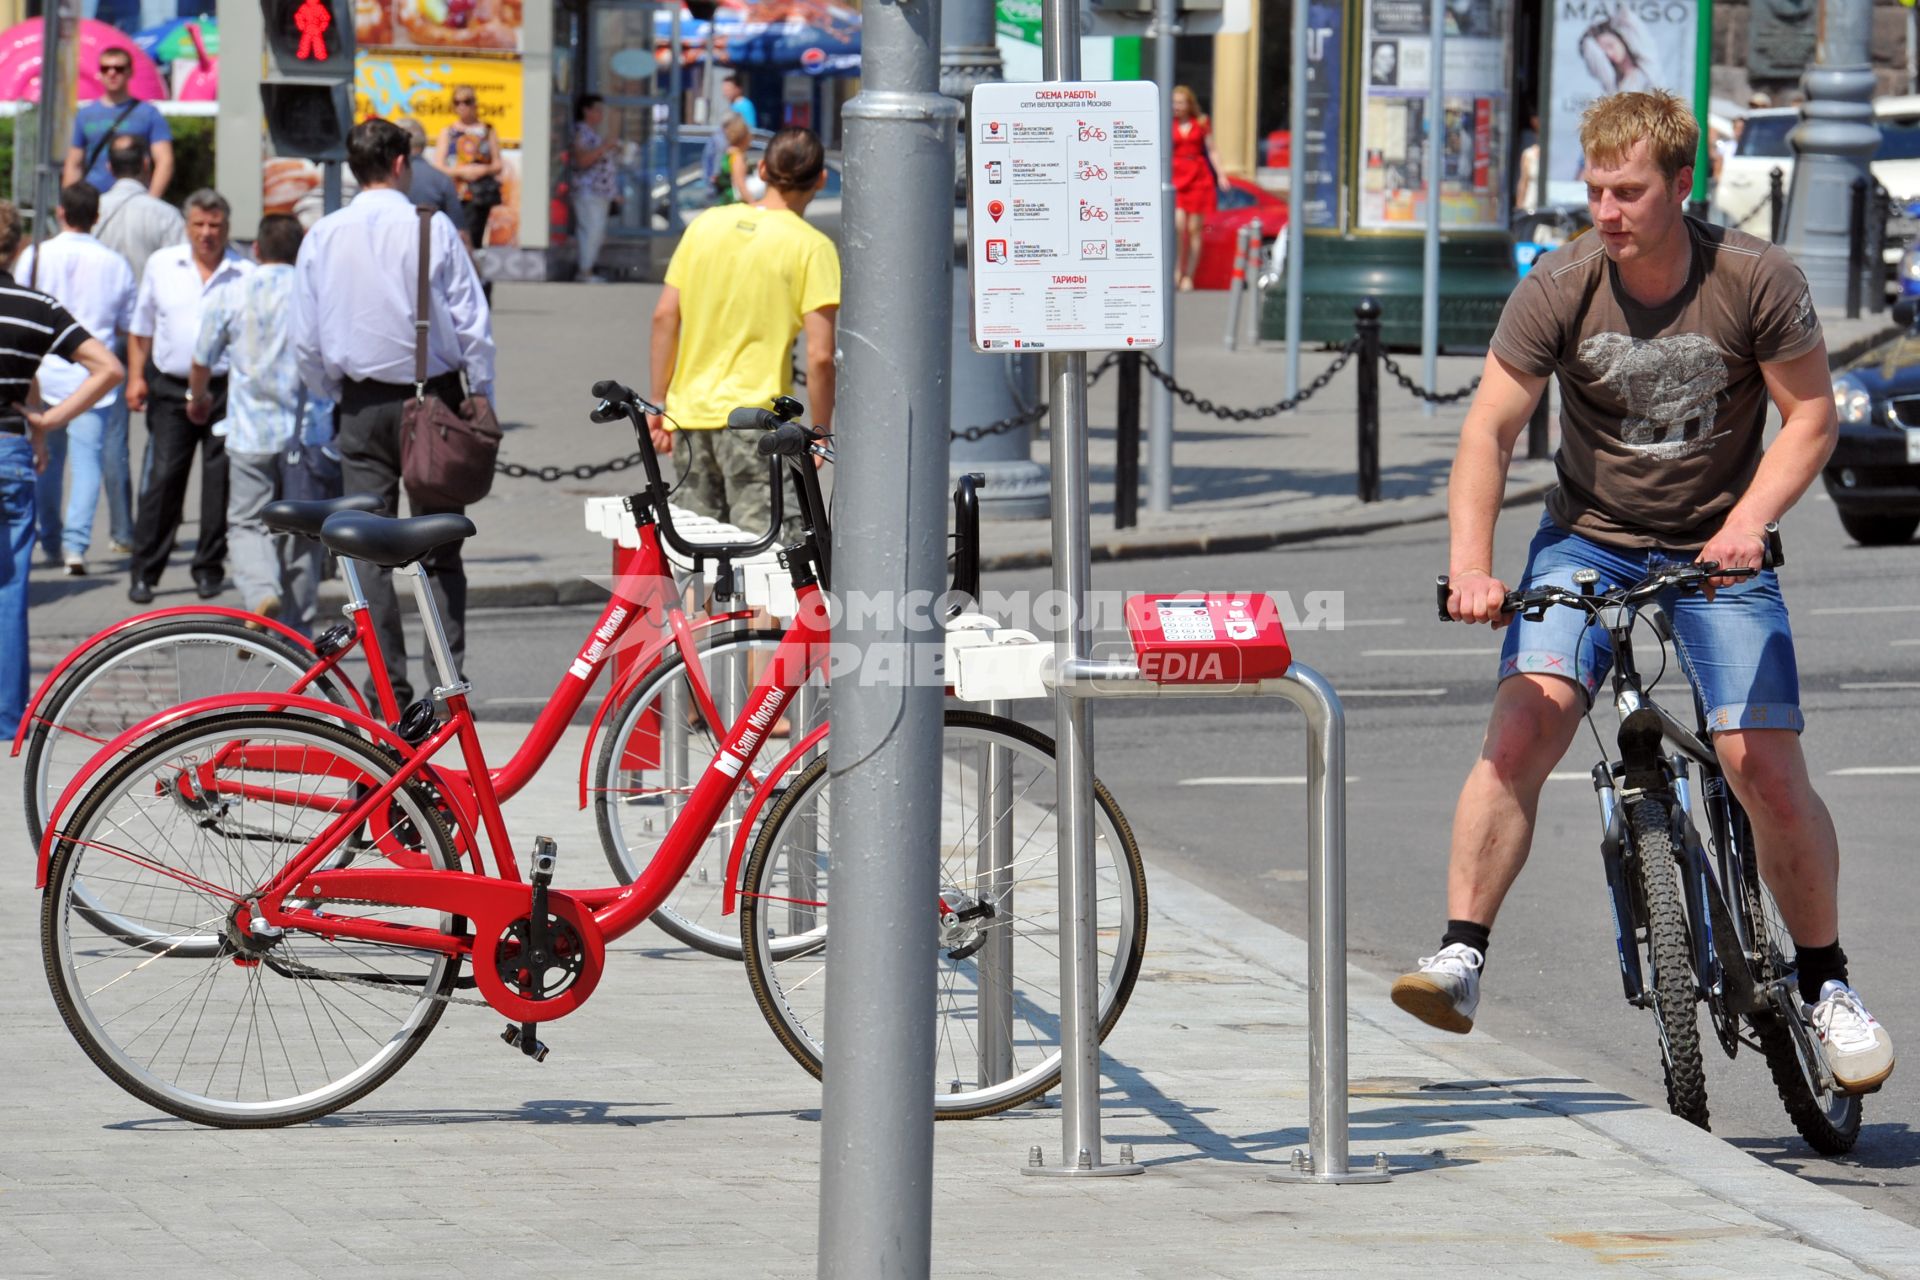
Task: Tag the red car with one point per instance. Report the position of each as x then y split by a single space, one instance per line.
1242 202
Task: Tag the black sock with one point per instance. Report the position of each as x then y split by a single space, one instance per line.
1818 966
1466 931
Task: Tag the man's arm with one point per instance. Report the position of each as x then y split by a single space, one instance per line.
139 346
162 168
71 172
665 352
1500 410
1802 390
208 347
819 326
104 373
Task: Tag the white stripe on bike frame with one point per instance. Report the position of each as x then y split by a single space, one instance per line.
1875 771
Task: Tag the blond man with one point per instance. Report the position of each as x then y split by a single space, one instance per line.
1669 339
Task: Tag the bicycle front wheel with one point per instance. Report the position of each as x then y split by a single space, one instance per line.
658 745
1828 1119
997 1005
142 672
165 981
1669 948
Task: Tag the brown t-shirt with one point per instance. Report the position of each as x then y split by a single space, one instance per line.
1662 407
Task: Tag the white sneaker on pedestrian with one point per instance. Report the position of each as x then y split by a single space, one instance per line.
1445 990
1858 1050
76 565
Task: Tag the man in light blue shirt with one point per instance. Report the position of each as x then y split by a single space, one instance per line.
354 303
268 410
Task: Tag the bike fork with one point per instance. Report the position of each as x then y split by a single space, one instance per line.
1613 842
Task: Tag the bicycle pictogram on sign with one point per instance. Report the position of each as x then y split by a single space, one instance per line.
1091 132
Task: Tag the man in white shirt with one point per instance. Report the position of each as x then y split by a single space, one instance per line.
354 303
166 323
95 285
132 222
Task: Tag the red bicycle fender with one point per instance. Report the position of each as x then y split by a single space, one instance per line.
730 892
148 619
617 690
187 710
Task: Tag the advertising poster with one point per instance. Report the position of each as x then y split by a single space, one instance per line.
1610 46
491 26
1398 65
1321 205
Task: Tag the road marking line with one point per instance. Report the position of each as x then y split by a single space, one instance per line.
1903 644
1875 771
1228 780
1566 776
1881 684
1430 653
1871 608
1367 622
1391 693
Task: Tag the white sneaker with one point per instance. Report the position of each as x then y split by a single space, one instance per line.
1445 990
76 565
1858 1050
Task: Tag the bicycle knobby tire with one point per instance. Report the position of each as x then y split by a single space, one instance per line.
1669 946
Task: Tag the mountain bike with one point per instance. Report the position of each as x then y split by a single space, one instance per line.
279 910
1694 923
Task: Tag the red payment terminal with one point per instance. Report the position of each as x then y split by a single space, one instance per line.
1208 638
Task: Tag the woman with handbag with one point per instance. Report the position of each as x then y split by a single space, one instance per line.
469 152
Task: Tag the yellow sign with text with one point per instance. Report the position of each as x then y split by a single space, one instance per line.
392 85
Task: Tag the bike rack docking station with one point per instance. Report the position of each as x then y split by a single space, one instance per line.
1189 645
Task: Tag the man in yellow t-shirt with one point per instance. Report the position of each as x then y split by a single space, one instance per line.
745 281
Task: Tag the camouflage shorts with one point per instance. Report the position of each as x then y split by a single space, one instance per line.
724 478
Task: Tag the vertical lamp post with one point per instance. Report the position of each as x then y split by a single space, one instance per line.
1833 142
876 1136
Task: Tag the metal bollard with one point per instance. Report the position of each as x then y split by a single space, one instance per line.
1255 236
1366 327
1879 209
1777 197
1237 288
1126 443
1856 245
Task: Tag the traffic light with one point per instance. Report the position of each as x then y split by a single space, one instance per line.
308 98
310 39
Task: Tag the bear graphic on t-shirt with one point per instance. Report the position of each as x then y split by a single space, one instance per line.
1670 387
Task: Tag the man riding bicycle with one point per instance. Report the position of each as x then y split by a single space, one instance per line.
1668 337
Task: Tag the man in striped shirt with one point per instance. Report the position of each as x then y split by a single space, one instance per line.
32 327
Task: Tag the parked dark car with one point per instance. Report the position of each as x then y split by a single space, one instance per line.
1874 474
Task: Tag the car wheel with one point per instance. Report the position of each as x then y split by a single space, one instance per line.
1878 531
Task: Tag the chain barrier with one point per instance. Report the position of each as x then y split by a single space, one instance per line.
1765 206
1028 417
1419 392
549 474
1226 414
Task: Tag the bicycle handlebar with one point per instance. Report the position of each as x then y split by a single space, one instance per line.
1688 577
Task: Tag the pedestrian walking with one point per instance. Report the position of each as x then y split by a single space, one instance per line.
744 281
133 222
117 113
354 304
432 189
1197 181
469 152
95 285
166 323
273 425
35 327
732 181
595 184
712 157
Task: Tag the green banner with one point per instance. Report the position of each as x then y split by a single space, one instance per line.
1019 19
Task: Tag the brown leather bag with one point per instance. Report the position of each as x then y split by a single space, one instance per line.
446 455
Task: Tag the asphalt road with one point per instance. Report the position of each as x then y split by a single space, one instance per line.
1213 789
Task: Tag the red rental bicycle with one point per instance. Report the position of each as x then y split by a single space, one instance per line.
683 684
278 910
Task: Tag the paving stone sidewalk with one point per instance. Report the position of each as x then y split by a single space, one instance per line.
669 1135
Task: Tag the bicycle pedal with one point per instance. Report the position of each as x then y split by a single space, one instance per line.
520 1036
546 857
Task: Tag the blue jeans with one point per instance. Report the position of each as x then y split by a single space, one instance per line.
115 475
18 508
1737 648
86 464
47 494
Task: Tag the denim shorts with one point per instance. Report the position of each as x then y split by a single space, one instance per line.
1737 648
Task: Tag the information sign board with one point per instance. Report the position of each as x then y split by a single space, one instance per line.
1064 217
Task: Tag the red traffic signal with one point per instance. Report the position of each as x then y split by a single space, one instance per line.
311 39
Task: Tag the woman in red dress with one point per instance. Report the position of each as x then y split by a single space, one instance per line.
1197 180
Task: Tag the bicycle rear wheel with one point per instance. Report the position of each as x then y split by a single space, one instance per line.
656 748
997 1039
1668 941
1827 1119
163 980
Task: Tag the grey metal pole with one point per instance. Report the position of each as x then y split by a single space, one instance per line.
986 388
1166 26
1296 194
995 872
876 1135
1080 1152
1833 141
1436 156
675 83
46 181
331 189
